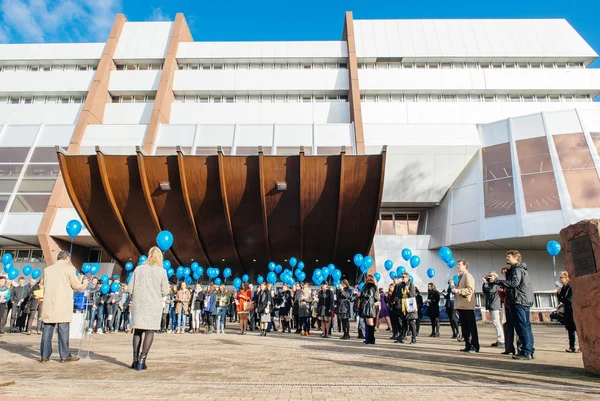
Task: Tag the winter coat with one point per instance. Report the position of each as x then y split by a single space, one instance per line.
4 294
449 299
565 296
433 310
183 302
265 302
465 298
345 297
325 303
368 298
148 285
60 282
33 303
304 303
492 299
285 302
518 286
408 291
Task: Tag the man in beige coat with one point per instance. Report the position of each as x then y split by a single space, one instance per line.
464 303
60 281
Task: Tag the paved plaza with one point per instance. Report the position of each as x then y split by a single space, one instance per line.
290 367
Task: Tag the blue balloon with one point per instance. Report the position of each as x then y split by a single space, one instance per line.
360 286
237 283
142 259
377 276
8 267
278 269
187 271
104 278
166 264
455 279
430 272
36 274
188 280
364 269
13 273
195 266
218 281
406 254
271 278
73 228
358 259
318 273
298 271
245 278
85 268
216 271
164 240
415 261
445 254
129 266
179 269
325 271
128 279
293 262
200 271
7 258
115 287
368 262
400 270
170 272
300 265
196 276
331 267
553 248
393 275
411 278
179 275
226 272
272 266
337 274
388 265
95 268
260 279
301 276
451 263
105 288
27 270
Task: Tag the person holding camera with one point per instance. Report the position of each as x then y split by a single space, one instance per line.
494 306
519 298
465 305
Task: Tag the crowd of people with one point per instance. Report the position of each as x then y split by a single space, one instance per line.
151 304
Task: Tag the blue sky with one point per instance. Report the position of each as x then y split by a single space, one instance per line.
90 20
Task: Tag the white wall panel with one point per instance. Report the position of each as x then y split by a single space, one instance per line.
253 135
128 113
464 204
143 41
590 119
527 127
215 135
292 135
53 135
171 135
40 82
40 52
334 135
562 122
494 133
39 113
15 224
113 139
260 113
128 82
501 227
63 216
452 135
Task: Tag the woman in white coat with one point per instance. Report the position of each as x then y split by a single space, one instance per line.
148 285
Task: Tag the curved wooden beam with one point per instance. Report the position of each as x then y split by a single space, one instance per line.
263 206
302 197
340 205
111 198
188 206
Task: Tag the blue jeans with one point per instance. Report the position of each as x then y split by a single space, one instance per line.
172 318
97 314
181 320
222 314
117 319
519 315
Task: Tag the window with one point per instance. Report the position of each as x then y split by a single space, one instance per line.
410 98
397 223
387 224
13 155
306 99
7 185
449 98
343 65
528 99
30 203
446 66
501 98
44 155
488 99
515 98
499 197
471 65
497 65
37 255
423 98
522 65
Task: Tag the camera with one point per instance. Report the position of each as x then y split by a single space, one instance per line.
488 278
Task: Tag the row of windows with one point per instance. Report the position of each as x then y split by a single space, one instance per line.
262 99
475 98
264 66
132 99
67 67
139 67
41 99
24 255
461 65
397 223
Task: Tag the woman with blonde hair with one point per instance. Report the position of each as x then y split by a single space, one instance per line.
182 308
148 285
368 299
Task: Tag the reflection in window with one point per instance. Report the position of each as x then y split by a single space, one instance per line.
398 224
30 203
13 155
42 170
3 202
537 176
44 155
387 224
579 170
34 186
499 195
10 170
7 186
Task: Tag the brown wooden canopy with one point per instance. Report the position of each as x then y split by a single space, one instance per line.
227 211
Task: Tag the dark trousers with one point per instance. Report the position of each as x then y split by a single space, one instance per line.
306 324
435 325
163 321
396 323
572 332
63 340
453 322
469 327
346 327
519 315
509 334
409 325
3 314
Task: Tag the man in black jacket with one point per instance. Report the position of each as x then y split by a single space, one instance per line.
519 298
494 306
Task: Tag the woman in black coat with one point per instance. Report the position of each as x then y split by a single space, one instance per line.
368 298
264 306
285 302
325 308
345 298
433 309
565 296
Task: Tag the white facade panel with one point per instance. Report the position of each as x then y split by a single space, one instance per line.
562 122
215 135
494 133
40 82
18 136
332 135
56 53
452 135
143 41
130 82
254 135
113 139
53 135
43 113
260 113
63 216
171 135
590 120
290 135
18 224
265 51
128 113
259 81
527 127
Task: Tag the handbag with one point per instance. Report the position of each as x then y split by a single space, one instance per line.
424 310
410 304
248 306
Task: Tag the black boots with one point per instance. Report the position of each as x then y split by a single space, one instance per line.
361 335
135 360
142 362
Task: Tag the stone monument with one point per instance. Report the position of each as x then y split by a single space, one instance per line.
581 244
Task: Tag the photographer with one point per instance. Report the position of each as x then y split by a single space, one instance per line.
494 306
519 298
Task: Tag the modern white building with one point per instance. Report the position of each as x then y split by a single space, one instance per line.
490 126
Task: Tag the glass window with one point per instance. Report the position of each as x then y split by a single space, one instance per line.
515 98
343 65
423 98
462 98
94 256
127 99
3 202
449 98
579 171
410 98
387 224
446 66
30 203
22 255
37 255
7 185
33 185
501 98
42 170
400 224
10 170
413 223
554 98
13 155
499 197
44 155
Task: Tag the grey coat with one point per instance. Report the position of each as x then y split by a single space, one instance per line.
148 285
519 290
